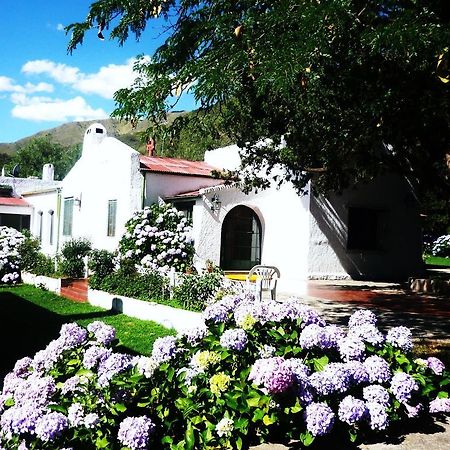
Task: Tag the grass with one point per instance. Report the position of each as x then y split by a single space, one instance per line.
32 317
437 261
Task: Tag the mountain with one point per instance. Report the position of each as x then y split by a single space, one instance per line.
70 134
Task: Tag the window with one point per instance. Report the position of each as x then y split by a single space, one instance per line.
363 229
17 221
186 208
50 231
40 223
68 216
112 213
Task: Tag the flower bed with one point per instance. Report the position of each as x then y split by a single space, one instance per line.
167 316
253 372
49 283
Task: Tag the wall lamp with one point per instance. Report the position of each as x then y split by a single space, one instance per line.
215 203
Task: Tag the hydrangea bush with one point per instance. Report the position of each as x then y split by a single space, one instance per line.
158 238
441 246
10 241
253 372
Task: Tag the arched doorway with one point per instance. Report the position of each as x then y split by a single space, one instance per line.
241 240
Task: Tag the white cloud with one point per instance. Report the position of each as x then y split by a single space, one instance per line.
48 109
59 72
8 85
104 83
60 27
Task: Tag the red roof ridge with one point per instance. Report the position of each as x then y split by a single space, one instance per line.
164 164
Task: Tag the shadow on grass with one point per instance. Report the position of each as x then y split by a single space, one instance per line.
26 328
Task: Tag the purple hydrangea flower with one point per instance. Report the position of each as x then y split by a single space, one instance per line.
301 377
91 420
95 355
351 410
72 385
47 358
400 337
313 336
402 386
378 369
335 377
357 371
272 373
195 335
22 367
362 316
378 416
413 411
103 333
440 405
164 349
51 426
351 348
72 335
216 313
376 394
235 339
20 420
367 332
309 316
113 365
436 365
35 391
134 432
319 419
75 414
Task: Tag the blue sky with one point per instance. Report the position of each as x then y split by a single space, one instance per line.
41 86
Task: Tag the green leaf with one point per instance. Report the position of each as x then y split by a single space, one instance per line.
269 420
258 415
120 407
189 437
73 362
306 438
239 443
253 402
9 402
442 394
320 363
102 442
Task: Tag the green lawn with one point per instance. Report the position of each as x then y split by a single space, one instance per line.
437 261
30 318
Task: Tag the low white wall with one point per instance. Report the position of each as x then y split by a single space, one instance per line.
51 284
162 314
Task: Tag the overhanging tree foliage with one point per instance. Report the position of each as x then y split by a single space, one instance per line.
354 88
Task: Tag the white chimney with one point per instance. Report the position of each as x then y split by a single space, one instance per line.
93 137
48 172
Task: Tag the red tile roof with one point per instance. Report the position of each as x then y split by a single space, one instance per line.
176 166
13 201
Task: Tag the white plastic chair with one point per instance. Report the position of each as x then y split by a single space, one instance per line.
266 280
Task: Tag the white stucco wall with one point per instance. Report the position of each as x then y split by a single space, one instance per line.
166 185
285 229
107 170
45 202
399 255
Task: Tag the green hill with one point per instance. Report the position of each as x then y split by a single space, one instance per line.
70 134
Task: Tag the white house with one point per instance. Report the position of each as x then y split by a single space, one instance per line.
372 231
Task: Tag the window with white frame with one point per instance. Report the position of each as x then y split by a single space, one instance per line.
68 216
51 226
112 213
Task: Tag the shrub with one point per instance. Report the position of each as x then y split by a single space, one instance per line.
441 246
254 372
71 261
10 241
150 286
101 263
32 259
157 238
196 291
